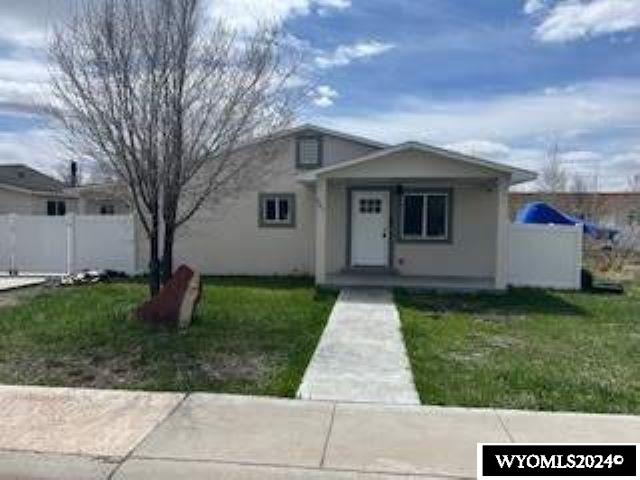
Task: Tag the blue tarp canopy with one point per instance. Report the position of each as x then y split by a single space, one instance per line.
540 212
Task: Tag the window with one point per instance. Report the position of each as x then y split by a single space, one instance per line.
56 208
277 210
370 205
107 209
425 216
309 152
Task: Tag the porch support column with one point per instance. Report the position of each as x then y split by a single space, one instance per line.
502 233
321 231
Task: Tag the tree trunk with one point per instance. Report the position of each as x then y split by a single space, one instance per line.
154 264
167 256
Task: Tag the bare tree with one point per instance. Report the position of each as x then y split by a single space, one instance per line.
553 177
161 98
579 184
634 183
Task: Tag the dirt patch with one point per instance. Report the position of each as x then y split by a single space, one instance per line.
7 300
255 368
503 341
95 371
466 357
499 318
482 347
13 298
110 370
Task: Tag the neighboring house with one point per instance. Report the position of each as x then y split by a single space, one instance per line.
611 209
353 211
102 199
26 191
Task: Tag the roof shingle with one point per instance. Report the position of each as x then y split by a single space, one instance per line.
22 176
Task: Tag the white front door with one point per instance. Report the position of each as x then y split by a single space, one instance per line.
369 228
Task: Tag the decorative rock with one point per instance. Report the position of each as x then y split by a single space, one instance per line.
174 305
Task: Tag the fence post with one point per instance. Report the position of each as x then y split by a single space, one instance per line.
133 245
13 242
71 242
579 232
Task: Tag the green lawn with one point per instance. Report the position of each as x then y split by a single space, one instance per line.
252 336
529 349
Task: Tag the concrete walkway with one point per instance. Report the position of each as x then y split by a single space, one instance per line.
361 356
56 434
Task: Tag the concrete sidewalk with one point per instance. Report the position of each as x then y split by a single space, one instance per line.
361 356
14 283
83 434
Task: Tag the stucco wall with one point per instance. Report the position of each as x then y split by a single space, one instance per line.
471 251
40 204
15 202
226 239
89 206
23 203
337 150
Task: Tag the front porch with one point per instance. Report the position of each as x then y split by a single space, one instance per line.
411 282
411 219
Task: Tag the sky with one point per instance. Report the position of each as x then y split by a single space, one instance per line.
506 80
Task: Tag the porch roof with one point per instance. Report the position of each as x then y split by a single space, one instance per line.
516 175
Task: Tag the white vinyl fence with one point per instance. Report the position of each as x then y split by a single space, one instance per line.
54 245
545 256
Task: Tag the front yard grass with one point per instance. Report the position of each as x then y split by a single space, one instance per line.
528 349
252 336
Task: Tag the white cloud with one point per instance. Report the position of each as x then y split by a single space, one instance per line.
480 148
26 24
35 147
516 128
345 54
584 107
325 7
581 157
23 85
533 6
573 19
324 96
629 160
246 14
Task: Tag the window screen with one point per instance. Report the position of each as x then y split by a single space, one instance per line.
436 215
413 215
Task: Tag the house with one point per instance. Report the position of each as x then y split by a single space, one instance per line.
353 211
26 191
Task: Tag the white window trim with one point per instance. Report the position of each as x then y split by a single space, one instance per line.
288 222
425 216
